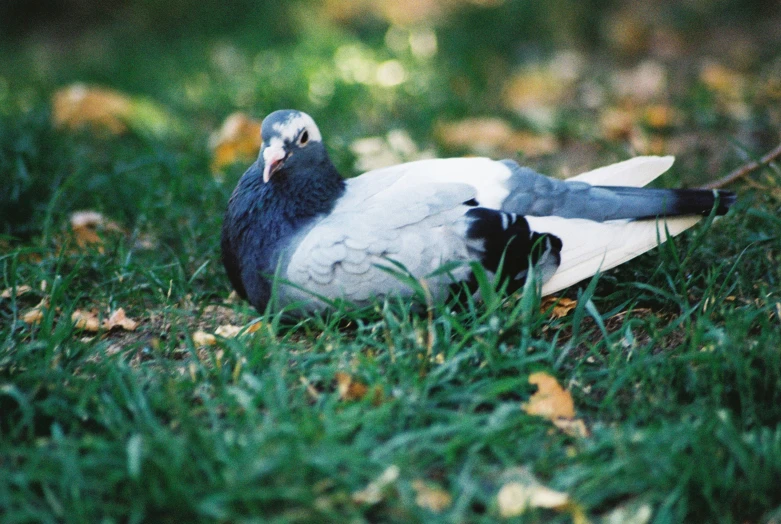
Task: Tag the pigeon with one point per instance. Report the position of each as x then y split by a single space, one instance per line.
296 230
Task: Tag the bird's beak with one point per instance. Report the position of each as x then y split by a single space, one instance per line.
273 158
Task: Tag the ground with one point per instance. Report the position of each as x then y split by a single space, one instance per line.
671 364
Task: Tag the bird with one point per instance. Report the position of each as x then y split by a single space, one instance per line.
299 232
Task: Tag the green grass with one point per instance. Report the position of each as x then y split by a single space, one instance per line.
673 360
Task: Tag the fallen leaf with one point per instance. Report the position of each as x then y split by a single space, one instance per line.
617 123
550 400
661 116
20 290
202 338
493 135
79 106
534 88
228 331
641 84
118 319
515 498
373 492
254 326
237 140
33 316
86 225
231 331
574 427
86 320
631 512
430 496
627 32
561 308
348 388
721 80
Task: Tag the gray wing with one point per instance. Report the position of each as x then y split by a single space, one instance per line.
421 230
533 194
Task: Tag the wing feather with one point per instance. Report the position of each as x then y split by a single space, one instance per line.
635 172
421 229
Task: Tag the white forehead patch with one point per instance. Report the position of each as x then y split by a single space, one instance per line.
289 129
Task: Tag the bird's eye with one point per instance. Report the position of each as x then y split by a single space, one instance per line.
304 138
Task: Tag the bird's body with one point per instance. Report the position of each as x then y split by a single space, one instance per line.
294 216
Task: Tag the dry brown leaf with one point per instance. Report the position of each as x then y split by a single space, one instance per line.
237 140
202 338
722 80
373 492
118 319
488 135
33 316
86 225
574 427
617 123
631 512
20 290
228 331
562 306
254 326
79 106
534 88
231 331
661 116
628 32
515 498
641 84
550 400
86 320
430 496
349 389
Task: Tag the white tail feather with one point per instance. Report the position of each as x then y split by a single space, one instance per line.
635 172
589 247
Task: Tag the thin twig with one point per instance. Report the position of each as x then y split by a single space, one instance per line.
745 169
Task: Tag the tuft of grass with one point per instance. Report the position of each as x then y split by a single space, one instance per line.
672 360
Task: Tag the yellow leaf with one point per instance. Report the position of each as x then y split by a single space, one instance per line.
562 306
227 331
722 80
20 290
550 400
661 116
373 492
86 320
533 88
33 316
574 427
86 225
617 123
254 326
231 331
79 106
515 498
489 135
630 512
118 319
202 338
237 140
431 497
348 388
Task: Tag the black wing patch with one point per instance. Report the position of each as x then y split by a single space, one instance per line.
508 241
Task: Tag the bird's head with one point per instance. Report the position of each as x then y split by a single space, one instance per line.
290 139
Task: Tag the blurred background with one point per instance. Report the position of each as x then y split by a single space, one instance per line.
121 105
